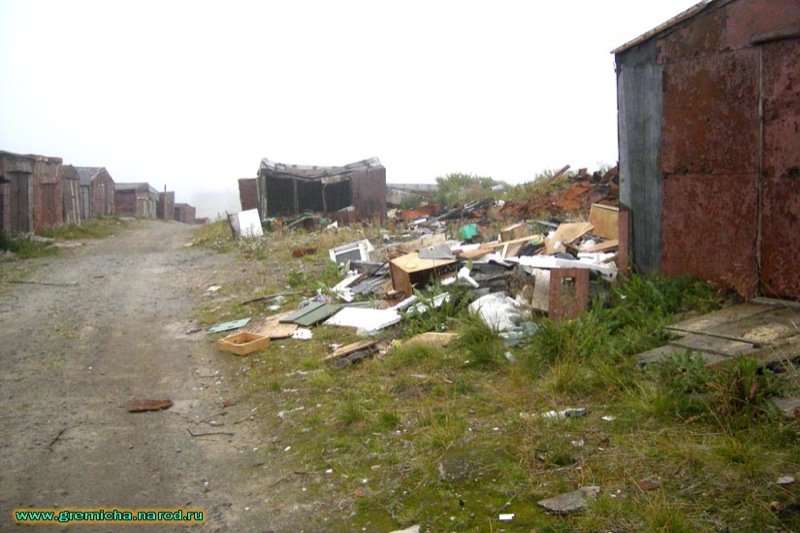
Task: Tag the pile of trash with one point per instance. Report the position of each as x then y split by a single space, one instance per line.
580 192
530 267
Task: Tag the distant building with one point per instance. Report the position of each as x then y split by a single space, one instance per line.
358 189
31 195
185 213
70 190
165 210
136 200
97 198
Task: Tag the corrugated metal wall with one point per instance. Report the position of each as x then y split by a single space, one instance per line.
724 202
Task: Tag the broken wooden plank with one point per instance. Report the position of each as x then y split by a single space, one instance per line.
350 348
715 345
762 328
607 246
605 220
514 231
662 353
566 233
786 351
705 322
273 328
140 406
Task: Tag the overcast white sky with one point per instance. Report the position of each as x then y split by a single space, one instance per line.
192 94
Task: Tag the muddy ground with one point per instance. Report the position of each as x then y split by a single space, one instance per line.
74 355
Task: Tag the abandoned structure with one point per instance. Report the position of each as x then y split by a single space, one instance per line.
136 200
70 190
165 210
709 140
248 193
97 197
31 196
352 192
185 213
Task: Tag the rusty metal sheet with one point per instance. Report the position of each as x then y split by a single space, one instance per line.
703 36
709 229
780 249
711 115
751 17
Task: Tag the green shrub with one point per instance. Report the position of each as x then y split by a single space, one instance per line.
479 343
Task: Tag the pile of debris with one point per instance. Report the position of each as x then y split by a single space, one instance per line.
581 191
529 267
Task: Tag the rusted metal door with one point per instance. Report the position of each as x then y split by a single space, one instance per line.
780 169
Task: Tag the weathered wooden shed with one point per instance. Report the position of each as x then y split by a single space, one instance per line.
31 197
185 213
70 189
97 196
709 145
136 199
287 190
165 210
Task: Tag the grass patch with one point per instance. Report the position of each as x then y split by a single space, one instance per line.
415 436
95 228
24 248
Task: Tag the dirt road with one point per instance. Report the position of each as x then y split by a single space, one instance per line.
73 356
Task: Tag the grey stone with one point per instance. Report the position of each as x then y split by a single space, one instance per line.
570 502
790 407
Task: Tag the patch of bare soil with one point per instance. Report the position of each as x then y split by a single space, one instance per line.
113 325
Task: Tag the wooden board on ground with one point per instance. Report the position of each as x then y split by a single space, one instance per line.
272 327
705 343
351 348
662 353
656 355
785 351
762 328
767 332
729 314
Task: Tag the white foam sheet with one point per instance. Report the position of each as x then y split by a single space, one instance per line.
369 320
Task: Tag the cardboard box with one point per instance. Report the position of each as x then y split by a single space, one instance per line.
242 343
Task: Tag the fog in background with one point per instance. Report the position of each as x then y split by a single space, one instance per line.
192 95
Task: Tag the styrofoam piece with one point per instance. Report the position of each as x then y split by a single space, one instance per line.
369 320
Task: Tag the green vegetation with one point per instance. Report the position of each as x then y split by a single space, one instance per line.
457 188
449 438
95 228
24 248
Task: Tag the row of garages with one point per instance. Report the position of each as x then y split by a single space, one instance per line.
39 192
